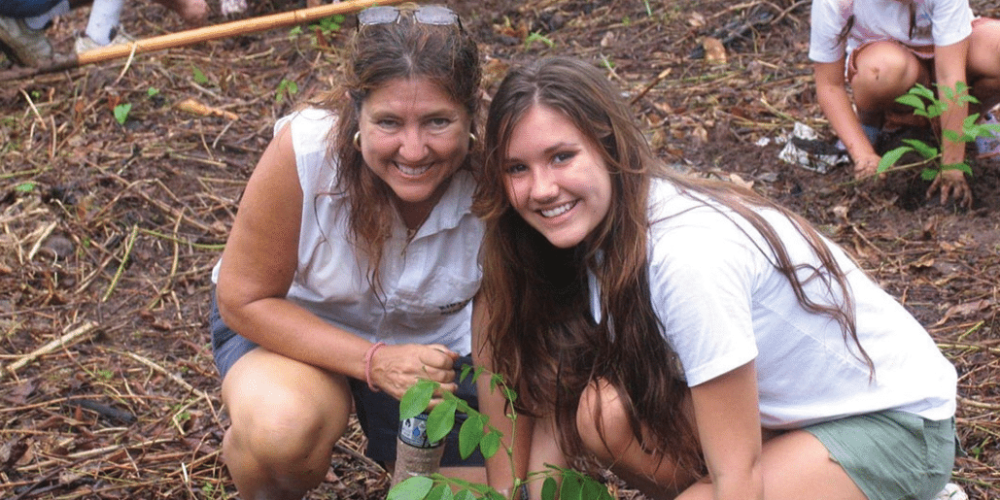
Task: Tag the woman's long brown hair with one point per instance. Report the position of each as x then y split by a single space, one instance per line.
541 332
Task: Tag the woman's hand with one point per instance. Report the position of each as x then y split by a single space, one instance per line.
866 165
395 368
952 183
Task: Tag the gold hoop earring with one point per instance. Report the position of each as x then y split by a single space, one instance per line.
472 140
357 140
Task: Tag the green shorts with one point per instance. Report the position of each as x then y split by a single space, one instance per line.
892 455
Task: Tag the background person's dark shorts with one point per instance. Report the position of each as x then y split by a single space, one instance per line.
377 412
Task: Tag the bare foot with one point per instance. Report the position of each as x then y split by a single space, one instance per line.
193 12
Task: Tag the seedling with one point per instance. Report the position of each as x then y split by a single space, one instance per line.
121 112
329 25
477 432
322 29
538 37
926 104
287 88
199 76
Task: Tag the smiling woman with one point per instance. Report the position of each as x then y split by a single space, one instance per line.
352 265
693 336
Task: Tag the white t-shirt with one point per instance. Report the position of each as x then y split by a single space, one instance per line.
936 23
428 284
722 304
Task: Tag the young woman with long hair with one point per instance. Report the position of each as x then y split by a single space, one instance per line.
693 336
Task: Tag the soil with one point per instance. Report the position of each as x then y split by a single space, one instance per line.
110 230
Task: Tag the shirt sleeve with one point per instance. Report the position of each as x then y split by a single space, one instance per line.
701 284
951 21
827 19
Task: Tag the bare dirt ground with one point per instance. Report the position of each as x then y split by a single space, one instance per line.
109 231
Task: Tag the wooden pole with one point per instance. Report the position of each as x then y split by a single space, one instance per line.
214 32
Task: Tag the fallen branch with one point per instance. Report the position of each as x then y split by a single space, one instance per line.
976 404
175 378
60 342
189 37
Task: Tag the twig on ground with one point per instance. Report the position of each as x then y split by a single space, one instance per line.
122 263
172 376
64 340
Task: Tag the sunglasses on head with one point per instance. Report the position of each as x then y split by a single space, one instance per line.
425 14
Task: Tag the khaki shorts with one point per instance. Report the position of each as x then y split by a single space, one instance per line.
892 455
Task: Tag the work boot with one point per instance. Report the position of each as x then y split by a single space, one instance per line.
25 46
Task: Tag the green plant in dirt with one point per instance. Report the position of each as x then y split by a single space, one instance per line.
477 432
538 37
199 76
329 25
287 88
321 29
121 112
152 92
926 104
25 187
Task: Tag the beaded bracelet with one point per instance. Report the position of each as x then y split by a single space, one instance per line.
368 364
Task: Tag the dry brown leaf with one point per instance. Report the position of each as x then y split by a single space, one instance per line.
966 309
715 52
950 247
696 20
841 212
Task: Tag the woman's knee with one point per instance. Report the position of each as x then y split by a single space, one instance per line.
984 51
284 417
885 71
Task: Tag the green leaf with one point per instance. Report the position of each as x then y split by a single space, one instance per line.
441 420
413 488
951 135
470 434
495 380
416 399
549 488
121 112
199 77
912 101
490 444
890 158
924 149
922 91
594 490
928 174
25 187
464 495
152 91
536 36
509 394
571 488
441 492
